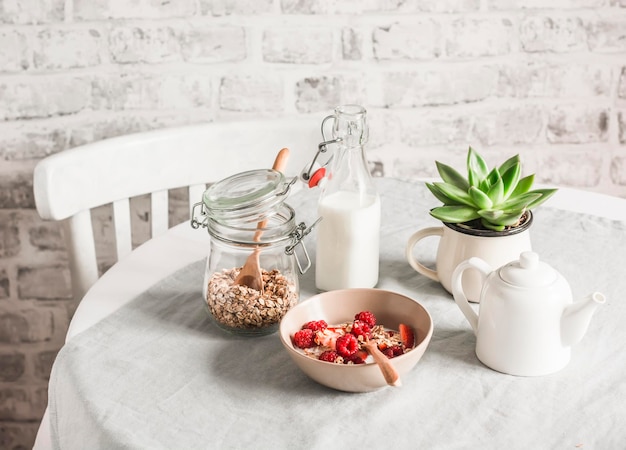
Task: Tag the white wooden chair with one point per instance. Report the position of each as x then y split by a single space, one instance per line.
69 184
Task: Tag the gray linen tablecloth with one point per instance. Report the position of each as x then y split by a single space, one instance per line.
157 374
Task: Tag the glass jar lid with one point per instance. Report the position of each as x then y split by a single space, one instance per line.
255 193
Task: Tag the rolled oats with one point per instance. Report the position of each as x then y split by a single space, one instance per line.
242 307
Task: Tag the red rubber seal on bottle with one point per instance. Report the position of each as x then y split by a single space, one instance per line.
317 177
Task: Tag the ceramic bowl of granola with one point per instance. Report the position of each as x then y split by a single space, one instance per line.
326 337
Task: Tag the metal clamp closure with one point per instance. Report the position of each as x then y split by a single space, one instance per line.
288 186
297 235
321 148
195 223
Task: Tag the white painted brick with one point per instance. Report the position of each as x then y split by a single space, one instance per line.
543 4
10 244
209 44
5 284
243 7
480 37
32 11
441 6
323 93
509 125
328 6
63 48
621 90
148 91
32 140
117 123
577 125
46 236
303 45
251 93
621 123
44 283
146 43
351 44
432 127
306 7
352 7
576 168
16 191
420 39
13 51
618 170
447 85
122 9
607 35
26 325
198 43
22 402
33 97
540 33
554 80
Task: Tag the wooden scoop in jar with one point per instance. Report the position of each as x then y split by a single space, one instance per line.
250 274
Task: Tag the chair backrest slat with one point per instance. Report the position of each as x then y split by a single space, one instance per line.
81 249
122 227
159 205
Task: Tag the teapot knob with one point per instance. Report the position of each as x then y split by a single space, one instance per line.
528 260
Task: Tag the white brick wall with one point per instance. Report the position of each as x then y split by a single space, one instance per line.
546 79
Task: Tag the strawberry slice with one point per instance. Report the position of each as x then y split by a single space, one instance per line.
407 335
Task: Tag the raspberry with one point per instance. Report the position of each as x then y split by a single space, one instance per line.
368 317
356 359
347 345
304 338
388 352
329 356
360 328
397 350
315 325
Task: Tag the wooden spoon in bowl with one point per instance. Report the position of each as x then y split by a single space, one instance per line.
250 274
388 370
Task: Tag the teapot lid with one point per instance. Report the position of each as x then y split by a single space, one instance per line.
528 272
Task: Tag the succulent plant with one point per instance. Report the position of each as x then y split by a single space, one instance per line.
498 198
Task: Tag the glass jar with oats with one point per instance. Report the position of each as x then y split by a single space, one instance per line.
253 264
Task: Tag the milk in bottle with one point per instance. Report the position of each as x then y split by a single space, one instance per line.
348 235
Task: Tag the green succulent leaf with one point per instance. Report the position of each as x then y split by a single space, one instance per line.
440 195
496 192
480 199
491 226
506 165
510 178
499 217
545 195
477 169
521 202
493 176
485 185
451 176
457 195
523 185
454 214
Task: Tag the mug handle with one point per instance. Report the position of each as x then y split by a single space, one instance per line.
413 240
457 287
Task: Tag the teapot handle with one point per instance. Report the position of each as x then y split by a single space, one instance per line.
457 287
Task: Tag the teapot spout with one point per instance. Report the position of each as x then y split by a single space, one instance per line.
576 317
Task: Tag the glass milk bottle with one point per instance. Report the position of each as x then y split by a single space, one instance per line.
348 235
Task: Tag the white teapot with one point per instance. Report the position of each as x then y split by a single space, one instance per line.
527 320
